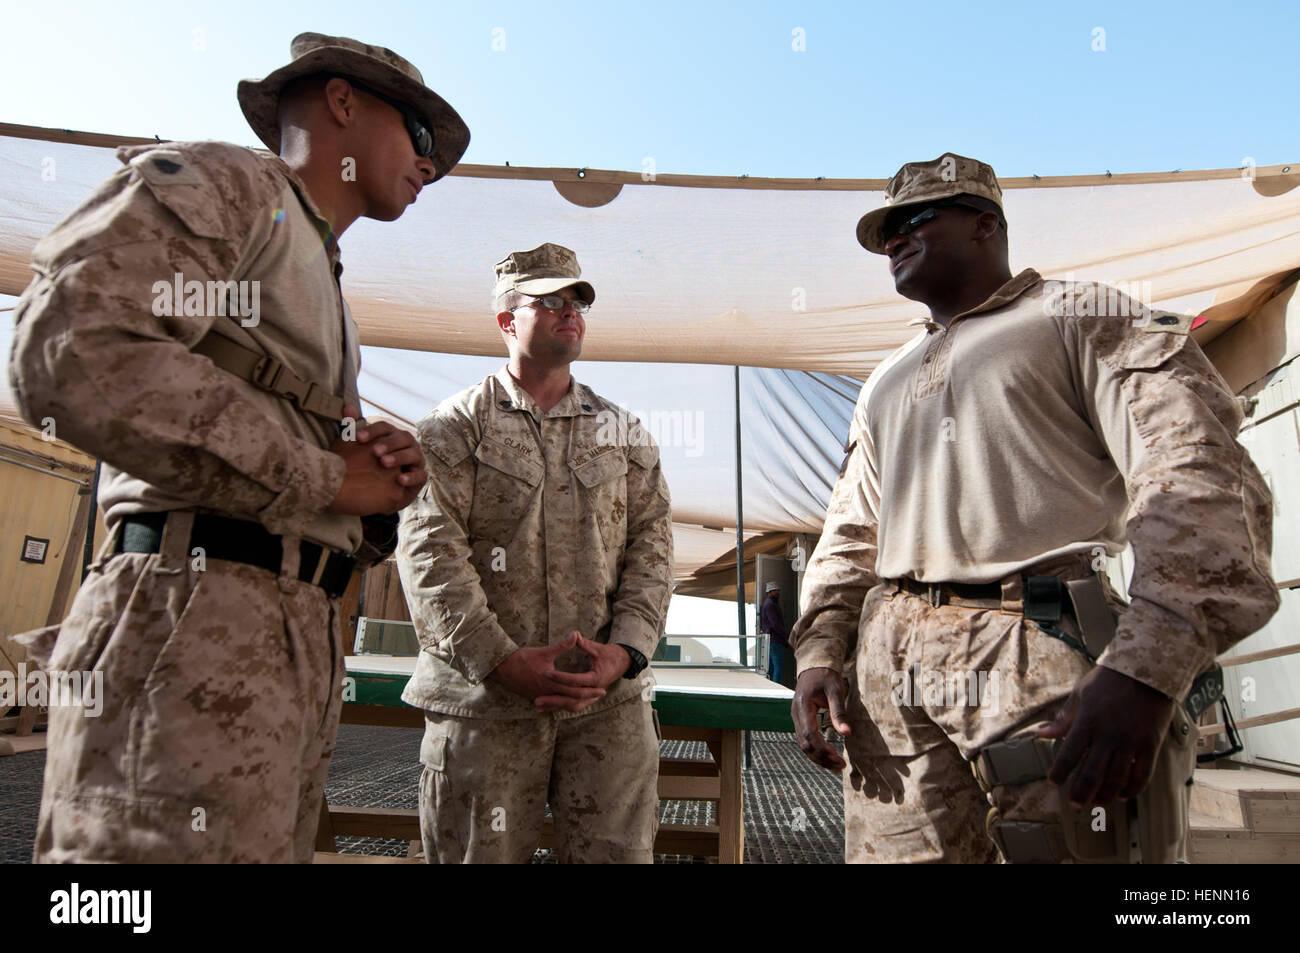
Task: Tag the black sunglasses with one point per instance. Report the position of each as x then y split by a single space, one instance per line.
905 226
421 135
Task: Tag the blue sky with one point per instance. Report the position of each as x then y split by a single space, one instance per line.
717 88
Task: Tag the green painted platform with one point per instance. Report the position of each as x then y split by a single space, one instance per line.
731 699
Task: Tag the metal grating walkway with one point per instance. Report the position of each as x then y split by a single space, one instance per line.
793 809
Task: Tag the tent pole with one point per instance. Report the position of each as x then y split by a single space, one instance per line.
740 564
740 537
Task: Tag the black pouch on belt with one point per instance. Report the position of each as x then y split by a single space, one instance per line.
1047 599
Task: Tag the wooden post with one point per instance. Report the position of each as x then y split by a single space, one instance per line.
325 828
349 609
731 806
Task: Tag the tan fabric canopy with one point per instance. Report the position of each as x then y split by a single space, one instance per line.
756 272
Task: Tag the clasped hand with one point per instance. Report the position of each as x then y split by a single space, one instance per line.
531 672
385 469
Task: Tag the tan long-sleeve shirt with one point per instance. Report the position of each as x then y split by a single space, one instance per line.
1052 419
531 526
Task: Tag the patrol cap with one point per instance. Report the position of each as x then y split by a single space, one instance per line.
544 270
374 66
917 183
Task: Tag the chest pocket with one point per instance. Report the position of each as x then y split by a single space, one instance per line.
605 467
601 497
505 483
510 462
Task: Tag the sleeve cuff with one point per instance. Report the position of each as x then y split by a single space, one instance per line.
1170 670
310 486
379 539
819 655
635 632
491 647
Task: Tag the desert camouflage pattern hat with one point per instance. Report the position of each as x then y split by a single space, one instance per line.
375 66
917 183
544 270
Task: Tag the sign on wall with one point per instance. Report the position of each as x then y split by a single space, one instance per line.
34 549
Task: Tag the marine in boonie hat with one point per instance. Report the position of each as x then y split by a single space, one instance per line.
376 67
543 270
922 183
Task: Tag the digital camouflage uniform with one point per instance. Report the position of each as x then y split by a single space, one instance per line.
532 526
222 680
222 685
1031 437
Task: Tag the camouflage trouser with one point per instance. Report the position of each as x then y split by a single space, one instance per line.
928 689
222 692
486 784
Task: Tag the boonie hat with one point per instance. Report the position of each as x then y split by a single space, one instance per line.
374 66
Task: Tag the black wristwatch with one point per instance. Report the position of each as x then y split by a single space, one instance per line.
638 663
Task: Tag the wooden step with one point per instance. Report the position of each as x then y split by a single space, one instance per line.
1239 777
1242 847
1209 800
1209 823
1244 815
1274 814
1268 802
20 744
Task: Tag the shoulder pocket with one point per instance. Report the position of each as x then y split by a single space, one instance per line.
507 461
644 455
1149 348
445 438
185 193
607 466
1139 343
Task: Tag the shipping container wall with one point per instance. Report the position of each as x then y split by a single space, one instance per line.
43 485
1272 685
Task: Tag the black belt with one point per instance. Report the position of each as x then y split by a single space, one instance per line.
242 542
